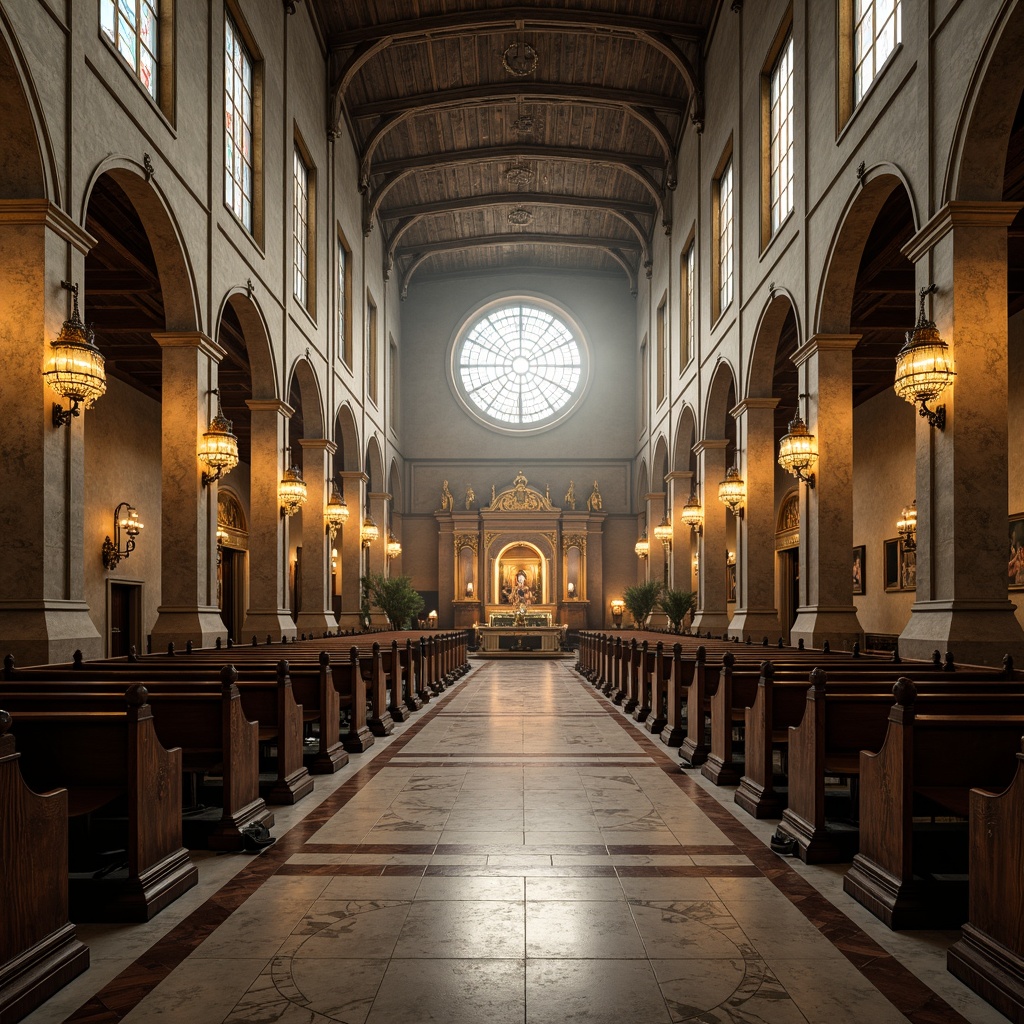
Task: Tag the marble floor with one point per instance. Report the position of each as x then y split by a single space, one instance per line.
519 851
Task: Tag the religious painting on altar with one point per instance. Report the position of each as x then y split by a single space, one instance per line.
1015 567
519 584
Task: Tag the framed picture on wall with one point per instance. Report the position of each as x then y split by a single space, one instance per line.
1015 569
900 565
859 577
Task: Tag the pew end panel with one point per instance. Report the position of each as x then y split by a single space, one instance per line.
989 956
39 948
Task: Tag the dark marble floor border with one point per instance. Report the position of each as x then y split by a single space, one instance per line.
911 996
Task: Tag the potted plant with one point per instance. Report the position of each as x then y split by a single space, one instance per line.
676 604
394 596
640 600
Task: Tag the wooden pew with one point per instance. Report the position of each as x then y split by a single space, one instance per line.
208 724
926 767
989 955
105 756
39 947
836 726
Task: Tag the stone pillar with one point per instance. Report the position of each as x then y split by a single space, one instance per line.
711 611
660 555
756 615
599 612
962 471
446 571
350 549
680 483
315 614
826 612
268 613
43 612
188 514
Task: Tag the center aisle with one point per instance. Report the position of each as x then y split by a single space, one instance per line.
520 853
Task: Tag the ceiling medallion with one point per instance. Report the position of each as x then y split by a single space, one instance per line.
527 124
519 59
519 216
519 176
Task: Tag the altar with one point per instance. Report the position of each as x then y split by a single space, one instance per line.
513 633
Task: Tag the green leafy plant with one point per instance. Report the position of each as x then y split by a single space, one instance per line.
675 604
640 600
394 596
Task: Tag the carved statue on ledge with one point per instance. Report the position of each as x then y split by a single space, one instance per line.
470 498
570 495
594 501
447 500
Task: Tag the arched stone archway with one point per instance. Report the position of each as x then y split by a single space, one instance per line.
45 616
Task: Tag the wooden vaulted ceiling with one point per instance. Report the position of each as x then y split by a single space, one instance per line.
494 135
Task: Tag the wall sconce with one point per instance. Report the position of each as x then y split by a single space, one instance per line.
923 367
336 512
798 450
222 535
394 547
571 589
130 525
730 557
618 607
692 514
696 561
369 531
663 531
291 491
432 619
642 546
334 559
469 589
75 366
907 526
218 449
732 491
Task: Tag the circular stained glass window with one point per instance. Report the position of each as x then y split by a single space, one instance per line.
519 367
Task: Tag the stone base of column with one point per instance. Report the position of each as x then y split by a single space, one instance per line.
715 623
348 621
815 624
49 632
316 623
263 624
976 632
756 624
179 625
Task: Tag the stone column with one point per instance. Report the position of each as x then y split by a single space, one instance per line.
350 549
188 514
44 616
660 556
268 613
711 610
315 614
680 483
962 471
756 615
446 570
826 612
599 612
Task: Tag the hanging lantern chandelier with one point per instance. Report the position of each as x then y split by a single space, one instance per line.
218 450
924 368
74 368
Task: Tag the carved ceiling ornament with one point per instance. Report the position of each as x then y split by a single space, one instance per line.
789 513
521 498
466 540
574 540
229 511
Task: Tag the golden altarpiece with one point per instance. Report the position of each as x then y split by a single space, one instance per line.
521 555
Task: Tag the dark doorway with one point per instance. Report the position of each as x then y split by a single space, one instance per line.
125 608
789 577
230 574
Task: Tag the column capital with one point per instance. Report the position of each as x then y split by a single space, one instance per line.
42 211
680 474
748 404
352 474
270 405
825 343
317 444
959 213
711 444
383 495
190 339
654 495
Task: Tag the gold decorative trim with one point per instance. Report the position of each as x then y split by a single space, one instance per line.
574 540
467 540
521 498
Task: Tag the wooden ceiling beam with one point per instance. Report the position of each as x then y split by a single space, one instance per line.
401 111
489 154
490 92
413 215
354 49
372 203
417 255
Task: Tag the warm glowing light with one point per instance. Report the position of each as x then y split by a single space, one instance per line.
394 547
218 450
642 546
732 491
74 368
692 514
369 531
291 491
663 531
924 368
336 512
907 526
798 451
